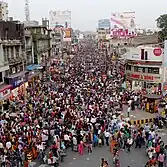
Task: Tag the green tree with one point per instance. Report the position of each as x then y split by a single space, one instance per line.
162 25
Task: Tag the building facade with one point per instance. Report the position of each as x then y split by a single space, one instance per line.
12 57
41 43
144 69
29 47
3 11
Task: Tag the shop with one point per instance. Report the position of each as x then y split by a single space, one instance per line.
18 84
151 83
152 102
5 93
33 78
144 69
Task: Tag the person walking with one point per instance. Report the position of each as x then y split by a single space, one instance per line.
107 136
128 111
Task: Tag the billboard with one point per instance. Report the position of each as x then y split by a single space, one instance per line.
125 20
67 34
123 24
104 23
60 18
136 54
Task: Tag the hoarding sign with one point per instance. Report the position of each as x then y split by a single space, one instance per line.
104 23
67 35
61 18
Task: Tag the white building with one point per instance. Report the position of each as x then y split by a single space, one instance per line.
144 68
3 11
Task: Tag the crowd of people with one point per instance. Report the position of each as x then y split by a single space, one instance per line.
78 106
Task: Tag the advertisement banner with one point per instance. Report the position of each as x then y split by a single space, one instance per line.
135 54
67 35
60 18
123 24
104 23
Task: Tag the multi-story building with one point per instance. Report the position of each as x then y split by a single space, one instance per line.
3 11
12 56
103 32
144 69
29 47
41 43
56 40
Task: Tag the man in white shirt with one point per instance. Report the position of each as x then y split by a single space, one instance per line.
107 136
129 110
129 143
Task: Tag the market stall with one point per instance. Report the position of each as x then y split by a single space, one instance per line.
152 101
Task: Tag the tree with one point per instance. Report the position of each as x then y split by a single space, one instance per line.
162 25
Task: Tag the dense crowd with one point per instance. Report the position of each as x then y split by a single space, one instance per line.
78 107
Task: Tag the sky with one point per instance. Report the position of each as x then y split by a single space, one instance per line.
86 13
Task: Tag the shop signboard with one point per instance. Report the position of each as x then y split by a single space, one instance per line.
144 77
153 54
17 81
5 91
157 51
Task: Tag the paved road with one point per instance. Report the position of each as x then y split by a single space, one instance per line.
137 157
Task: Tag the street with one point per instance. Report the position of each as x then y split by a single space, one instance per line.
137 157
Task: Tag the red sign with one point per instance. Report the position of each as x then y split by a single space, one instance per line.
138 76
157 51
122 33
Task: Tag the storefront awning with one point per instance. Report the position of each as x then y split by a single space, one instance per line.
33 67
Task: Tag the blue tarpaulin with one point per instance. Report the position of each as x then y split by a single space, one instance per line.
33 67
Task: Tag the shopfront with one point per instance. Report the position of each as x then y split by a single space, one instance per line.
18 84
5 93
32 78
139 81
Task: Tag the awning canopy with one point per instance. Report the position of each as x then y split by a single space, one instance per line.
33 67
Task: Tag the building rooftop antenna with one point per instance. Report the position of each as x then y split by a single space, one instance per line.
27 11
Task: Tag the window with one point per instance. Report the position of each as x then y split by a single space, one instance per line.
128 67
13 70
153 70
5 53
18 69
1 77
12 52
139 69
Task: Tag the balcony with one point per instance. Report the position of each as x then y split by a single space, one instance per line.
41 37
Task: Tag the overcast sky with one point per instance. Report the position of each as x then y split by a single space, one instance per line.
86 13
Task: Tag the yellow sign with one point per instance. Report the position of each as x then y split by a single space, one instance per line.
67 33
